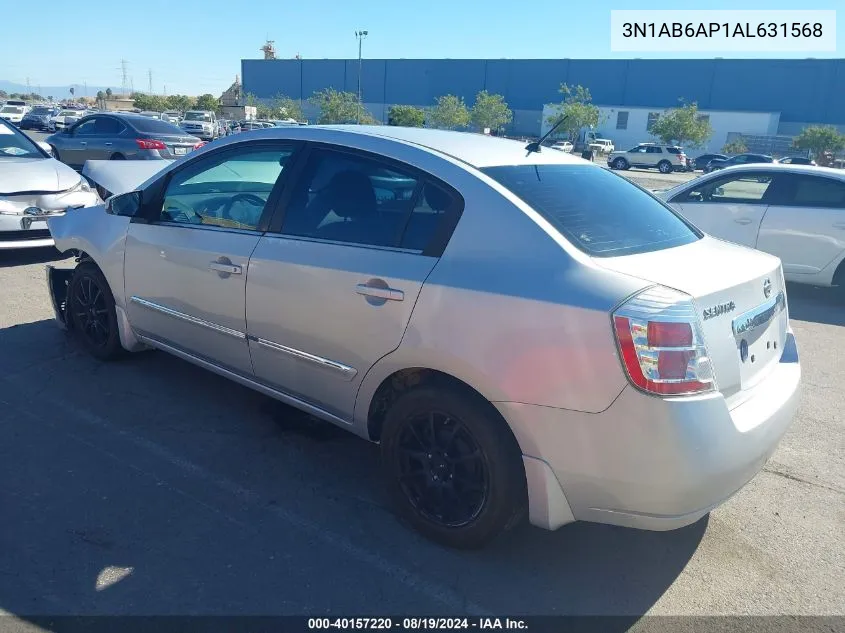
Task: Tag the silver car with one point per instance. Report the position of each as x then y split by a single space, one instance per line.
522 331
33 187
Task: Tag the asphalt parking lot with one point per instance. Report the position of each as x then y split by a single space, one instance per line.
149 486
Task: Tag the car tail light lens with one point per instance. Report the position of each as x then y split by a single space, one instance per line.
200 144
146 143
661 343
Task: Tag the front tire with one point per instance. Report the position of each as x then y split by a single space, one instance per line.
91 312
453 468
620 163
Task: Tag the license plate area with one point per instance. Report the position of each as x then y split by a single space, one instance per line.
180 151
760 336
28 224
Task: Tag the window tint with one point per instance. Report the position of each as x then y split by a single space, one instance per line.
426 217
229 191
347 198
674 150
653 150
107 125
812 191
747 188
155 126
621 120
640 149
599 212
86 128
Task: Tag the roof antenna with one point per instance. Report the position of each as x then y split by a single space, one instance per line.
536 145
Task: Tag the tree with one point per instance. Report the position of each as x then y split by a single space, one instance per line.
180 103
405 115
4 94
449 113
207 102
283 107
577 106
683 126
340 107
155 103
109 93
490 111
822 140
736 146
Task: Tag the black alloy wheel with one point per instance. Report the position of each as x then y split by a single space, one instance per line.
442 469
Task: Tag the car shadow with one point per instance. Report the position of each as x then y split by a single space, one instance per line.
815 304
151 486
24 256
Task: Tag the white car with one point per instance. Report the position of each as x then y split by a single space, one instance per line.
523 332
34 187
12 113
65 118
563 146
796 212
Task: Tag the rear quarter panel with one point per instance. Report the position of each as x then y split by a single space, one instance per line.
514 311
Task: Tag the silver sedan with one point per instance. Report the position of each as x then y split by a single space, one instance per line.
523 332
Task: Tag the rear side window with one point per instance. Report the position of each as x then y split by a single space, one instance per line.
674 150
599 212
812 191
155 126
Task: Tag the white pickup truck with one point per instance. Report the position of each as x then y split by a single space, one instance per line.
201 123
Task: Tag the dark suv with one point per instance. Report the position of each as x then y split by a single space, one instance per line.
739 159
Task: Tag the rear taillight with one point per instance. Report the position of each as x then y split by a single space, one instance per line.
661 343
200 144
682 158
146 143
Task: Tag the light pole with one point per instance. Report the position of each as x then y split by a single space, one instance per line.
360 35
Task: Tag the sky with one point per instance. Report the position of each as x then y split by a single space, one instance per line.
195 46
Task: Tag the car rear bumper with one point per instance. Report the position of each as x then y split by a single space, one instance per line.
653 463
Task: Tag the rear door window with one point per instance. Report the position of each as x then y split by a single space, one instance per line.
810 192
654 150
599 212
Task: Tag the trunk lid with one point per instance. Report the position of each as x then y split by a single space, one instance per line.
740 301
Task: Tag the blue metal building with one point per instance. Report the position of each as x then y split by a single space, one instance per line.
803 91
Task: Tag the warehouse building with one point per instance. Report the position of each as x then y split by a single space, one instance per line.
762 97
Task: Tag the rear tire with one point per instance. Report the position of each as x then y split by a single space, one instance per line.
91 313
664 166
117 157
453 468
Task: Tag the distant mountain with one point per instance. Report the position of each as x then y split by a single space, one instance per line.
57 92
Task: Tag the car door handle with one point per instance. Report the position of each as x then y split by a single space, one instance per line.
232 269
83 142
839 225
107 144
743 220
388 294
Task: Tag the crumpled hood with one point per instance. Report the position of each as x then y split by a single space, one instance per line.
35 174
122 176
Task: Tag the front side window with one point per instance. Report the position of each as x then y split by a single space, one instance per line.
348 198
639 149
599 212
86 128
229 191
747 188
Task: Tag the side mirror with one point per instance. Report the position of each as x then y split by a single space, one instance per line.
127 205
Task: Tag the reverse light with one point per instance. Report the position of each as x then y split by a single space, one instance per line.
661 343
146 143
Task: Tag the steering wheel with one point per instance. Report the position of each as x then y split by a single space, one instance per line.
247 197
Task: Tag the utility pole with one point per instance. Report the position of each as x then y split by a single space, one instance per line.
28 89
165 90
150 75
360 35
85 88
124 81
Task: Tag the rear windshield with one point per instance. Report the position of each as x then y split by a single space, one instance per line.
599 212
155 126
